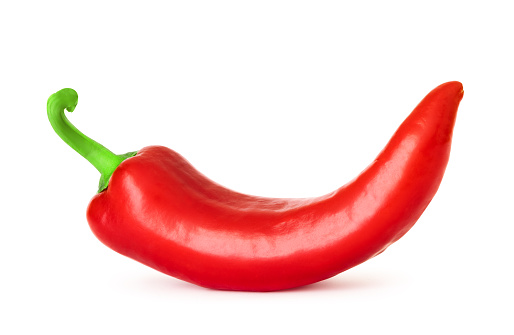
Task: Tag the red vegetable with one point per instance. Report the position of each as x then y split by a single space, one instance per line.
160 211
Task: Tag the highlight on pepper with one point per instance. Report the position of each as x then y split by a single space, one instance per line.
156 208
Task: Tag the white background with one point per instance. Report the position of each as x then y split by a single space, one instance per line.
273 98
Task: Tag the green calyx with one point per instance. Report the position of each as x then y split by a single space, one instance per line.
102 158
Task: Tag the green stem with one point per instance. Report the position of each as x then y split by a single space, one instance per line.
102 158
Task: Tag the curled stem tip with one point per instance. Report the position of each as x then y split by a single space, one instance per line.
99 156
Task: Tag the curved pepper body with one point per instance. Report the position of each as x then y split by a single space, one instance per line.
162 212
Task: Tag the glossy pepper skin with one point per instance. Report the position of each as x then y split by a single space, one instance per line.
162 212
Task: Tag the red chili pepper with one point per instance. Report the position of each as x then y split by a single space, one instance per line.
160 211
